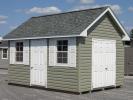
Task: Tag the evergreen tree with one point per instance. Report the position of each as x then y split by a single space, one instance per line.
131 33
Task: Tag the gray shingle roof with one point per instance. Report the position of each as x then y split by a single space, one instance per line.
69 23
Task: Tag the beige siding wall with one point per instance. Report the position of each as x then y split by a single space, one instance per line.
128 60
19 74
104 30
63 78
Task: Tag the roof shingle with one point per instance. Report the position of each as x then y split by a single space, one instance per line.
69 23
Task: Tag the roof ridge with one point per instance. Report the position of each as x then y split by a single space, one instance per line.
71 12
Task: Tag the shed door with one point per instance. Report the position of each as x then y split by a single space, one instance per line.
38 62
103 63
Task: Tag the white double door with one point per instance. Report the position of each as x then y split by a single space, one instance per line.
103 63
38 57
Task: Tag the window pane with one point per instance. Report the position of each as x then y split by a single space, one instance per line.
4 55
65 54
59 42
4 50
65 42
65 48
17 44
21 48
59 48
21 58
62 48
59 60
17 48
19 51
64 60
21 54
59 54
21 44
17 54
17 58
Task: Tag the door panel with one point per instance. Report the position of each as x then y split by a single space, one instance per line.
39 62
103 63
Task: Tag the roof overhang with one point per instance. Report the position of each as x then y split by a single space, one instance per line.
108 10
43 37
3 47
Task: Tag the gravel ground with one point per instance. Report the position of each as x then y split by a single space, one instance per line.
12 92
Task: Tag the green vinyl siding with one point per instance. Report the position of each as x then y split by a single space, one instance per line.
104 29
19 74
63 78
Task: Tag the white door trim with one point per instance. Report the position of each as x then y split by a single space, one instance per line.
113 41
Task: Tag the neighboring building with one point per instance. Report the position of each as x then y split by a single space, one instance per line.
4 62
129 58
75 51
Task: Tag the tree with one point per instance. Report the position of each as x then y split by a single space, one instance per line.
131 33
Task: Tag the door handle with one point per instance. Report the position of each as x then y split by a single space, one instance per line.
106 68
31 67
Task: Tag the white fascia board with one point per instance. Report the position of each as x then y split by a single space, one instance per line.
84 33
42 37
125 38
4 47
0 39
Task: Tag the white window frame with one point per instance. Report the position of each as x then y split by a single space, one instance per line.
19 62
62 51
3 53
62 64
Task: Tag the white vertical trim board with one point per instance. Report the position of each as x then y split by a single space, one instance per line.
26 52
12 52
52 52
72 52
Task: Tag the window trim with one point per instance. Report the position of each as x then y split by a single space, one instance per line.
3 53
19 62
62 64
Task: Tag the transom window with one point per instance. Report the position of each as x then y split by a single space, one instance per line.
19 51
62 51
4 54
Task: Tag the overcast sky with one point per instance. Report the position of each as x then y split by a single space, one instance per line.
15 12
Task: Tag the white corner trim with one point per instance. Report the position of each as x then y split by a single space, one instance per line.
125 38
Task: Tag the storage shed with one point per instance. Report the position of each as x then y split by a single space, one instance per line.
129 58
4 62
75 51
